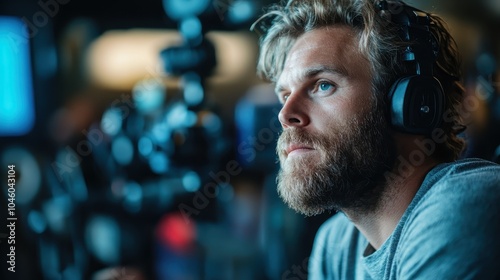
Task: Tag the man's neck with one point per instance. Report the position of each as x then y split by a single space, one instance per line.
379 224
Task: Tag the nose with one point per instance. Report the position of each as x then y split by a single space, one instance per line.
294 112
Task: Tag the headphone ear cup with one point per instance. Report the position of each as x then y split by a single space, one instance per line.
416 104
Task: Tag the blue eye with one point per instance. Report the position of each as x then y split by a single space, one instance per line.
325 86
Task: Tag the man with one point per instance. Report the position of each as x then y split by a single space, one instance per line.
371 116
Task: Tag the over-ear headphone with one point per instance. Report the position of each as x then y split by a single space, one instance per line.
416 100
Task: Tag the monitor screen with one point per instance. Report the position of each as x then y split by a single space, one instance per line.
17 110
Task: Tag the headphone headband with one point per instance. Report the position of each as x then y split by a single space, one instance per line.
414 28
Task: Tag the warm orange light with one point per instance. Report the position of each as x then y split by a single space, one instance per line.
120 58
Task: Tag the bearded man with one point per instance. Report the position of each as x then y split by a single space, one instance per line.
371 97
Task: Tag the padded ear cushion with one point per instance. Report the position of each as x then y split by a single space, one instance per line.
416 104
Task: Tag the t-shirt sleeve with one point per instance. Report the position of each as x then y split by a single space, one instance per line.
455 232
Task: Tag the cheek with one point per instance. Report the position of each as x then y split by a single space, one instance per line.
356 107
334 114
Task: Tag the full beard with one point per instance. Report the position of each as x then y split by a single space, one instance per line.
348 174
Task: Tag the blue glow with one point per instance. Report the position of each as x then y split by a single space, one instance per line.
191 28
149 96
241 11
102 237
111 122
193 93
159 163
180 116
132 197
37 221
145 146
123 150
191 181
17 111
57 211
178 9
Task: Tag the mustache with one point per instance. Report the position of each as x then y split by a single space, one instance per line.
296 136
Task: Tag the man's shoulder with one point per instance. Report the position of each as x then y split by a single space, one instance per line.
456 220
463 180
470 168
462 192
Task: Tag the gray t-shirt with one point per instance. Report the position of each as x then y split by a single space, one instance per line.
450 230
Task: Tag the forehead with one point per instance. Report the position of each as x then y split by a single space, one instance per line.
335 47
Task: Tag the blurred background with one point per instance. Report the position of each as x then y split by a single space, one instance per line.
143 142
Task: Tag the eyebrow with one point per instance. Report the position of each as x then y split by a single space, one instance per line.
313 71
